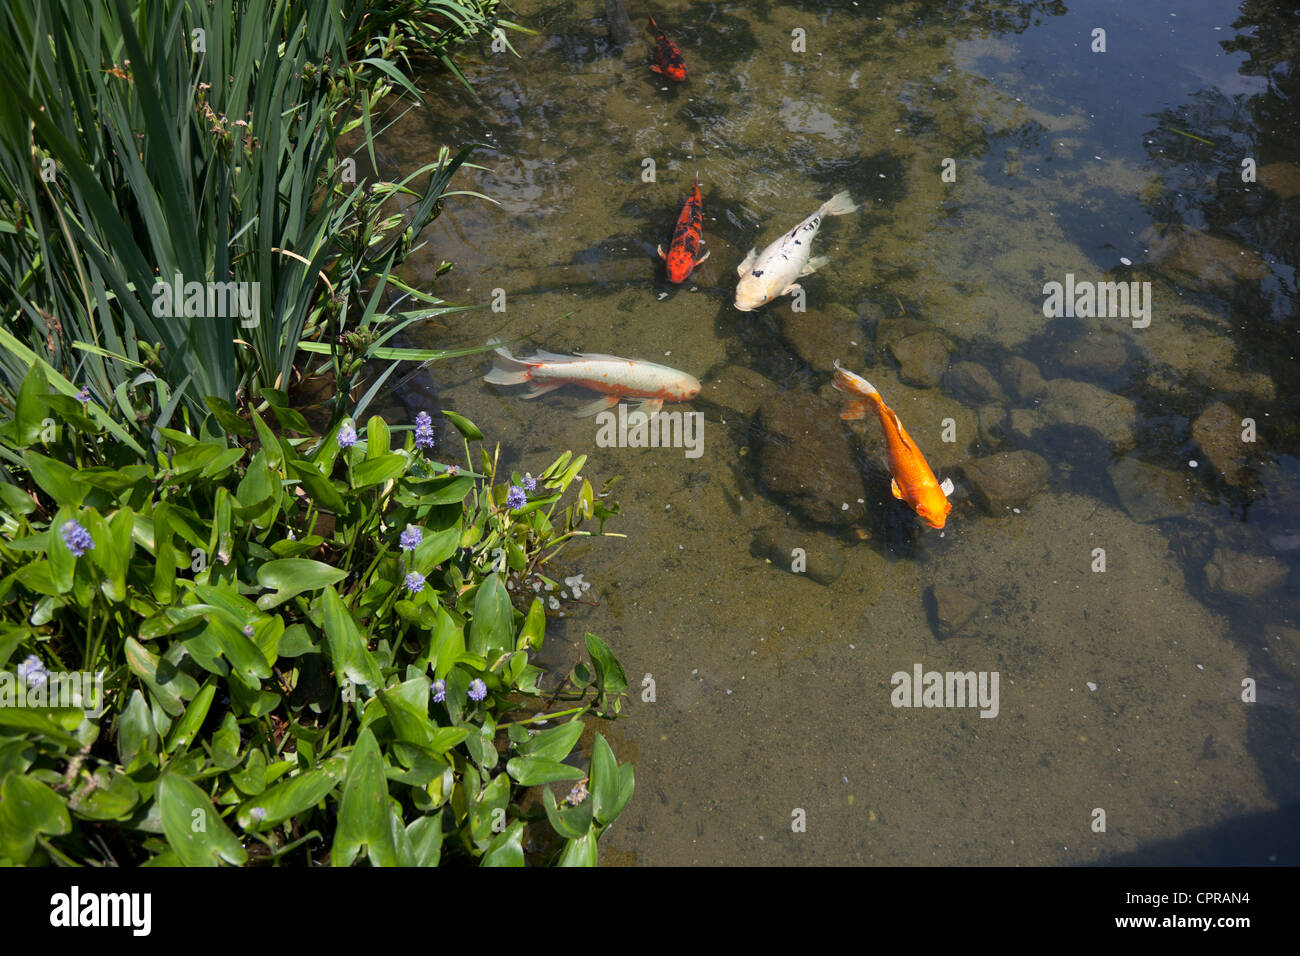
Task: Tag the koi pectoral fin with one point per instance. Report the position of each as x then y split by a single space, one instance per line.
601 404
815 263
706 255
749 261
791 289
893 486
651 407
538 389
660 248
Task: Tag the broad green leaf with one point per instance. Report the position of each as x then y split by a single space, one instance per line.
184 730
534 629
579 852
194 829
488 811
555 743
611 785
292 576
170 687
56 479
569 822
530 771
507 849
28 808
425 838
492 628
463 425
347 647
372 471
286 799
363 809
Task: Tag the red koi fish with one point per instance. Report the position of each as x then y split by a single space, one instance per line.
668 59
684 251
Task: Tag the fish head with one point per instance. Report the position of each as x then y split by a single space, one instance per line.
676 71
752 293
934 509
680 262
689 387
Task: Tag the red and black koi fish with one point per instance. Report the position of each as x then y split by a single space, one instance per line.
668 59
684 251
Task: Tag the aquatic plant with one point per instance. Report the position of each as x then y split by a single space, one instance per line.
177 216
282 657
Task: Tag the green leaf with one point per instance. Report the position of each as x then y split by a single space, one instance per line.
373 471
530 771
609 673
194 830
463 425
435 549
611 785
493 626
28 808
41 721
363 809
488 810
534 629
135 731
292 576
579 852
569 822
168 685
347 648
320 488
225 415
425 837
507 849
377 438
287 799
554 744
184 730
449 492
56 479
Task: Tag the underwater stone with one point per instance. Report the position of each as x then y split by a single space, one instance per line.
822 558
1149 492
1022 379
949 610
975 383
738 389
1218 434
1005 480
806 460
1245 577
922 358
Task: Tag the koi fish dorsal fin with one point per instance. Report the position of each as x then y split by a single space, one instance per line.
893 486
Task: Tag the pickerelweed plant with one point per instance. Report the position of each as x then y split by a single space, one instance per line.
308 648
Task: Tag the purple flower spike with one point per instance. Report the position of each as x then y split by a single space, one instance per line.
415 582
411 538
347 436
516 499
76 538
439 689
477 689
423 430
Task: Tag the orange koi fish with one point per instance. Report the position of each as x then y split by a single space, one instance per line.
687 238
913 480
668 59
615 377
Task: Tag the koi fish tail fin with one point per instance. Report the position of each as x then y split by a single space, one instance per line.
854 410
838 205
853 384
508 370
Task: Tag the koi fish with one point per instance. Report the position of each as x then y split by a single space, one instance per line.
668 59
687 238
767 275
913 480
616 377
620 27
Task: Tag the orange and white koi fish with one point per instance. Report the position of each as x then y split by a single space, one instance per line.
765 276
914 482
684 251
616 377
668 59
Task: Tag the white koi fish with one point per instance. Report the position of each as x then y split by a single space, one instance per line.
772 273
616 377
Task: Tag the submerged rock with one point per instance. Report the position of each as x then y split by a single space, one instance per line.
1022 379
1081 405
738 389
1282 178
819 337
1101 354
1005 480
975 383
922 358
1202 259
1149 492
992 423
1218 434
949 610
821 559
806 460
1243 576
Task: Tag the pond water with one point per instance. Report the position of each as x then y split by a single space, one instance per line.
993 150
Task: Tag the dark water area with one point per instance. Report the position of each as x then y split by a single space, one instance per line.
993 151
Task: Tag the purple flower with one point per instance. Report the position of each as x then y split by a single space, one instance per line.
477 689
415 582
83 396
248 630
577 794
516 499
439 691
347 436
411 538
76 538
423 430
32 671
530 483
453 470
